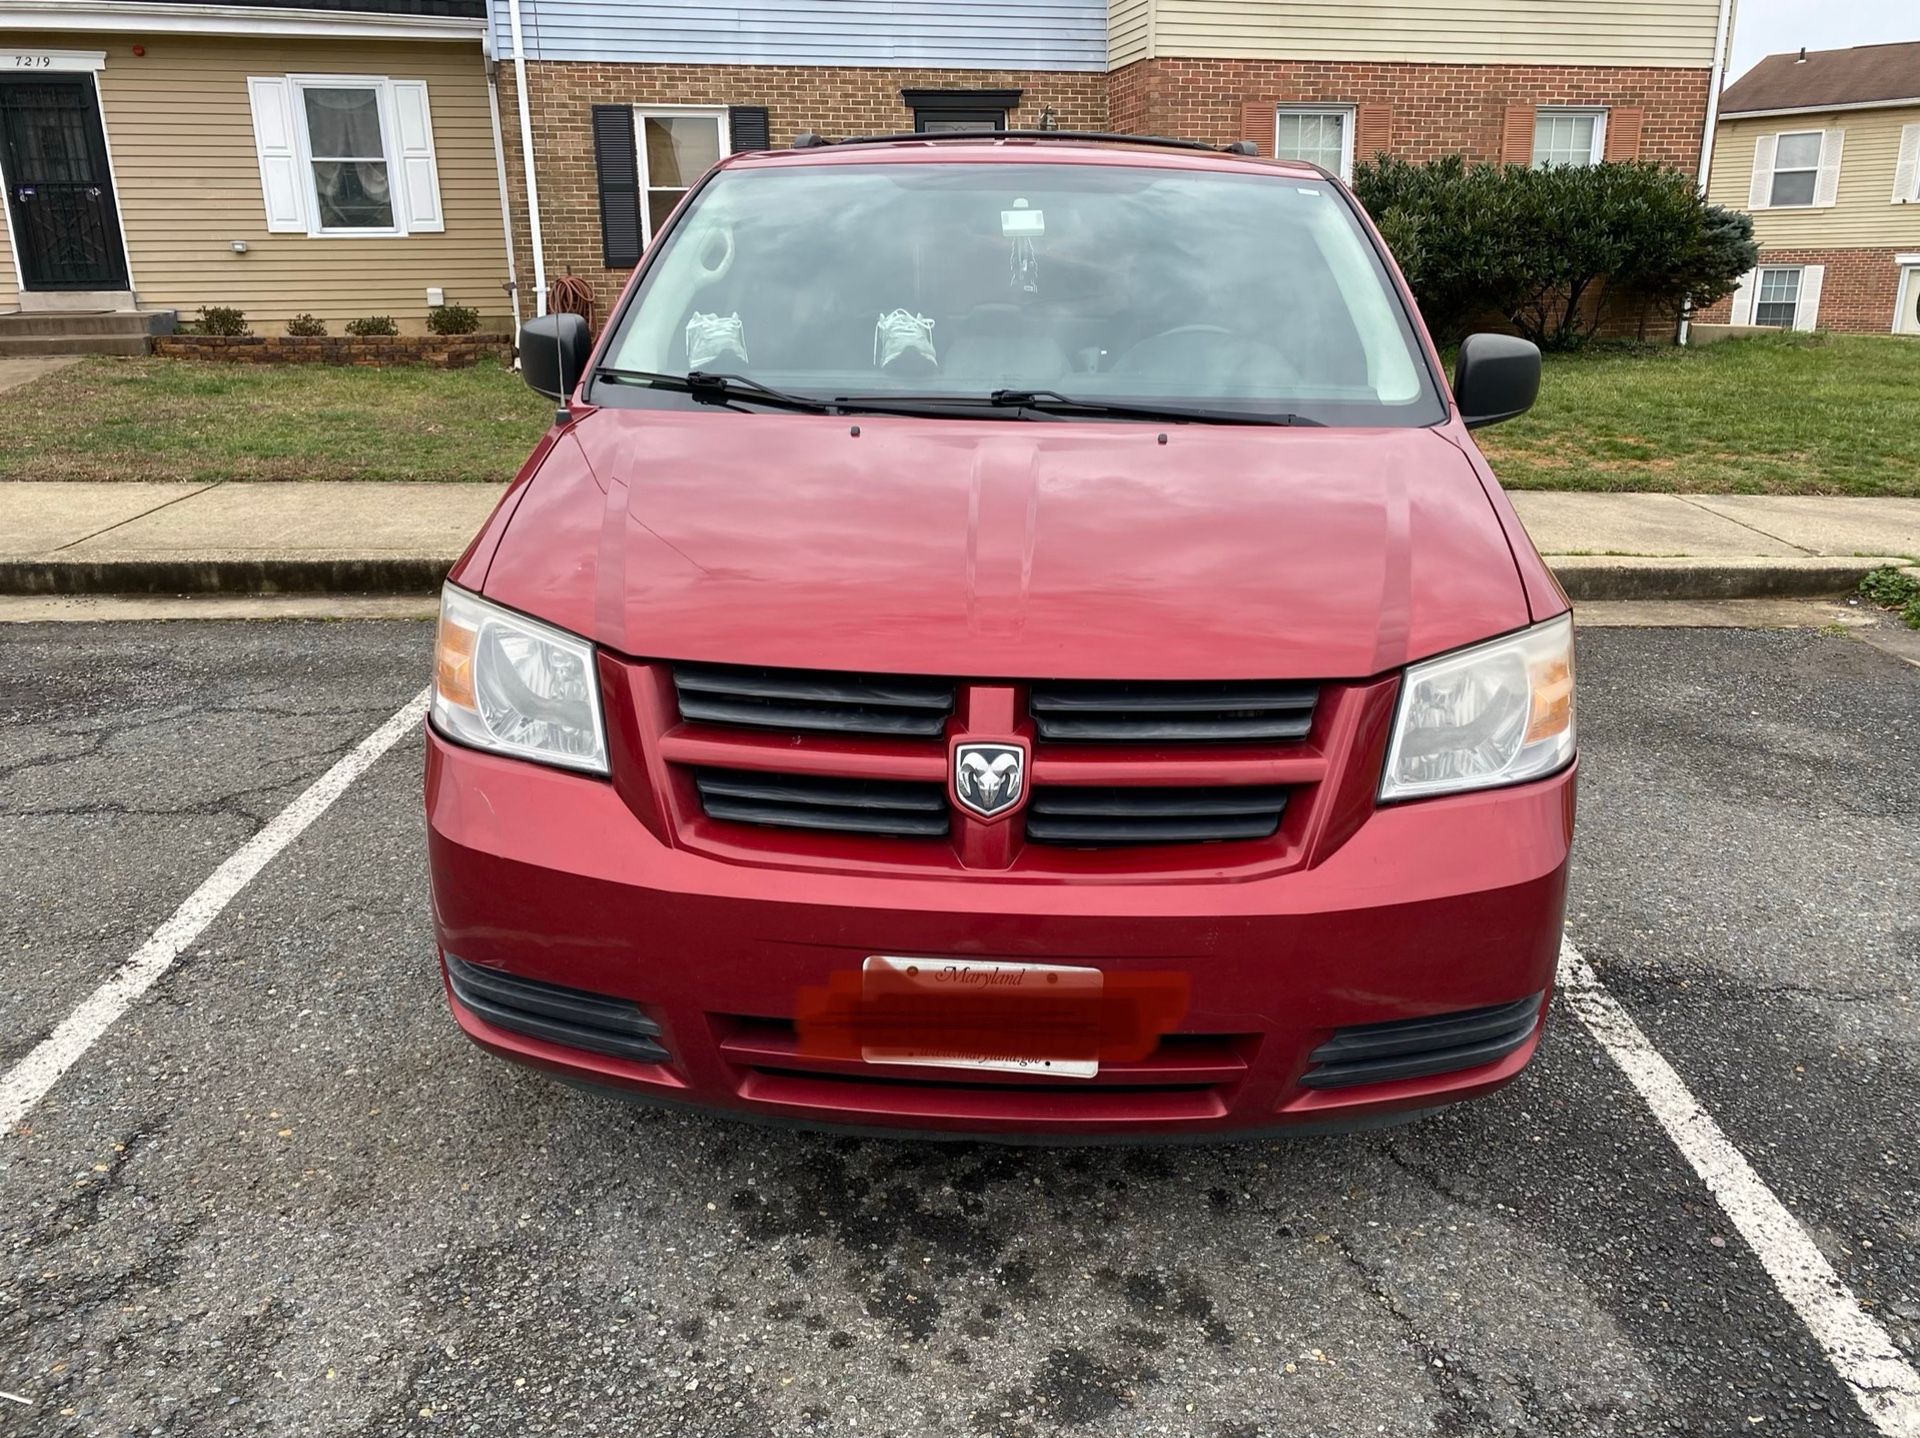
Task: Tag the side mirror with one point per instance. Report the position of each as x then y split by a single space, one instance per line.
553 352
1497 377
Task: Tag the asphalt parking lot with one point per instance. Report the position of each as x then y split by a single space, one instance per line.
282 1195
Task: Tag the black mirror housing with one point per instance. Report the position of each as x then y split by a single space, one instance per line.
1496 378
553 352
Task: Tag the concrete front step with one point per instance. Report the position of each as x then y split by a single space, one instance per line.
24 346
55 326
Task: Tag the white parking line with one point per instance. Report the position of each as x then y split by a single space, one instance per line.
27 1082
1881 1380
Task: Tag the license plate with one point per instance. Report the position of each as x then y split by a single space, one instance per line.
961 977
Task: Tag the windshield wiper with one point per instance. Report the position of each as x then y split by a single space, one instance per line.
1051 401
717 388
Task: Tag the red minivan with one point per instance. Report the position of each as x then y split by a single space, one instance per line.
1008 635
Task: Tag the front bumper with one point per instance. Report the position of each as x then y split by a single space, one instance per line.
1429 908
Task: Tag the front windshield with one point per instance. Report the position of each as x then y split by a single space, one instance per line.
1246 294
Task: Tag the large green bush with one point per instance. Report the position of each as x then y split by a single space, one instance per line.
1548 249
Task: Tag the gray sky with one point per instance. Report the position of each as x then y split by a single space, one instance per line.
1767 27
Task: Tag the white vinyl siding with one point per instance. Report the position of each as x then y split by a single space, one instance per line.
1569 137
345 155
907 34
1861 214
1637 33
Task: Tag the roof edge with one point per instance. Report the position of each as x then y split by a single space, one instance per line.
1911 102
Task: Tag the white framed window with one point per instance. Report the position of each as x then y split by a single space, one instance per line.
1796 169
345 155
1776 298
1320 135
1569 137
1780 297
676 145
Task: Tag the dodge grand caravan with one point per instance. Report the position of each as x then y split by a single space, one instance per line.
1010 636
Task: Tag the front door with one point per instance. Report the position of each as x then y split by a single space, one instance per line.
53 157
1906 319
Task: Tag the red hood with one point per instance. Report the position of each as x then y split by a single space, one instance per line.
1016 548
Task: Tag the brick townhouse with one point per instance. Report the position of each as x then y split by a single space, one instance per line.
1824 149
625 102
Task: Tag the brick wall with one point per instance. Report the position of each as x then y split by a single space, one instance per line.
1421 112
830 100
1857 293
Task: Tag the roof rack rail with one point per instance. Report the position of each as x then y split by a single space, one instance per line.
807 140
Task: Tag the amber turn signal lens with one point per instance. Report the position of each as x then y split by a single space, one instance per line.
1552 699
453 663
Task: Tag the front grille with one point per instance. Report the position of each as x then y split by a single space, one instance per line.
883 807
1185 712
1186 1076
573 1017
1414 1048
1077 816
825 703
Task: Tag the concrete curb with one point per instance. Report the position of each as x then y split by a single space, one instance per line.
284 574
1585 577
1628 577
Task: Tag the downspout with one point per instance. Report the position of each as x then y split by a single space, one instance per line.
1713 115
526 157
500 168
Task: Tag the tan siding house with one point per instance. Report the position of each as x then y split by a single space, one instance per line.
1498 32
1824 151
340 164
1341 81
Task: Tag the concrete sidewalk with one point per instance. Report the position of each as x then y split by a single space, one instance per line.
400 538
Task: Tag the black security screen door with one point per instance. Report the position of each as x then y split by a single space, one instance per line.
54 155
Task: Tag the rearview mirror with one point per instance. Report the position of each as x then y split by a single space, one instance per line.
553 351
1497 377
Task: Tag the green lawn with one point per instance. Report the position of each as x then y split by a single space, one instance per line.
1811 414
187 420
1787 415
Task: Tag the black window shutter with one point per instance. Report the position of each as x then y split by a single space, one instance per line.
749 127
618 168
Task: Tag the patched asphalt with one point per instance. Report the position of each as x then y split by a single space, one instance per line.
283 1196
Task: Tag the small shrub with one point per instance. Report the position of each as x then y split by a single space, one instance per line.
307 327
453 319
371 326
222 320
1892 588
1546 248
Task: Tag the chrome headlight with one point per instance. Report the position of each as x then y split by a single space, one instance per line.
1494 714
504 682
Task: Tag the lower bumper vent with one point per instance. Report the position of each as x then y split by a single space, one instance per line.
573 1017
1416 1048
1085 817
884 807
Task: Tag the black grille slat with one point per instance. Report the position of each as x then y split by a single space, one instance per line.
573 1017
1072 800
1074 815
1418 1048
812 702
830 803
1226 712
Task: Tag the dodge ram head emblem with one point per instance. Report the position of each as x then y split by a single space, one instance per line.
989 778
